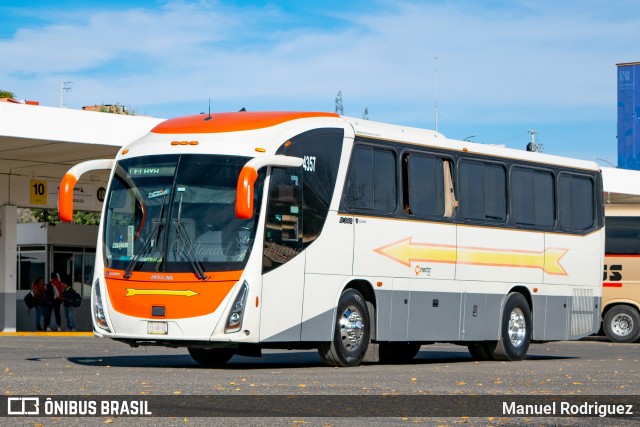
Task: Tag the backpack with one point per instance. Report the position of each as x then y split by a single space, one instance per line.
30 300
76 299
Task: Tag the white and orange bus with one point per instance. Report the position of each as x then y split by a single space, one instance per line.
228 233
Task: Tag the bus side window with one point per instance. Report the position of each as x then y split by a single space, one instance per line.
371 181
428 186
282 240
577 200
482 191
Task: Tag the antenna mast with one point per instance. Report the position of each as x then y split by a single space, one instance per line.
532 146
64 87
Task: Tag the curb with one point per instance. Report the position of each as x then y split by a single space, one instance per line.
46 334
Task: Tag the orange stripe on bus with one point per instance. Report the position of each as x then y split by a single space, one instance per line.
231 122
621 256
612 285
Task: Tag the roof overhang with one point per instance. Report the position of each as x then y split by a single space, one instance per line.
43 143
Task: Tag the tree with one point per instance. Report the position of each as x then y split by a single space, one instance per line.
79 217
6 94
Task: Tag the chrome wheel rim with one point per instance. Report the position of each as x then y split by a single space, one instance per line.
351 328
517 328
622 324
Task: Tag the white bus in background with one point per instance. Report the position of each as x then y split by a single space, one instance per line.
232 232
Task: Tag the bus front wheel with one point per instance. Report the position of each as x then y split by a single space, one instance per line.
622 324
515 329
211 356
351 332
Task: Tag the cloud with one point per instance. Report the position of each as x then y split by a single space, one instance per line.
496 60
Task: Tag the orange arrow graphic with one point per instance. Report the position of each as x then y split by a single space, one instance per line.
405 251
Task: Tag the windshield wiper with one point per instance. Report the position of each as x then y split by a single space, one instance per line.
158 225
185 249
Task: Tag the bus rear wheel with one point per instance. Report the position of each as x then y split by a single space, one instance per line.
351 332
211 356
515 329
622 324
397 352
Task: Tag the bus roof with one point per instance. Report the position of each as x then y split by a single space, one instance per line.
216 123
231 122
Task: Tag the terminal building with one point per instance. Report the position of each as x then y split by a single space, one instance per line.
37 146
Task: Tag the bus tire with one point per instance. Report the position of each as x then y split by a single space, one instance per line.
481 350
397 352
622 324
515 329
211 356
351 332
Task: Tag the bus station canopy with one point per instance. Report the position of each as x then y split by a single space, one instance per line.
42 143
621 186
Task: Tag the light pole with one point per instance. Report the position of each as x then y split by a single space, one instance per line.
435 58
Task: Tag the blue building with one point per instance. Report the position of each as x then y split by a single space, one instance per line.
629 115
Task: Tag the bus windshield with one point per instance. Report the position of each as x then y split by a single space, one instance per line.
176 213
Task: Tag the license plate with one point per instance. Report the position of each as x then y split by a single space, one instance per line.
157 328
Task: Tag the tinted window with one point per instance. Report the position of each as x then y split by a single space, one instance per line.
576 202
424 185
622 235
532 197
321 151
371 180
482 191
384 179
494 192
282 237
359 191
173 212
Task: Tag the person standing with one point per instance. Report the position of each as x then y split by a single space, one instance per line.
56 302
38 291
50 298
68 299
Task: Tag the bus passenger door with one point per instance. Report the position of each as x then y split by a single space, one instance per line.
283 269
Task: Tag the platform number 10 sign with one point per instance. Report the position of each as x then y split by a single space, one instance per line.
38 192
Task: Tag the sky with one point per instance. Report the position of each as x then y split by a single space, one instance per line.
495 68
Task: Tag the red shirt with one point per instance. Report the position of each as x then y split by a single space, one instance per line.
58 284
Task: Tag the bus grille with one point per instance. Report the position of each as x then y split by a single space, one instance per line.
582 312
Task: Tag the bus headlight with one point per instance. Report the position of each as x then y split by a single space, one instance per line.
98 309
234 321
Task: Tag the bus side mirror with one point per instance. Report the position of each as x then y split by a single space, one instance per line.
65 192
248 175
245 189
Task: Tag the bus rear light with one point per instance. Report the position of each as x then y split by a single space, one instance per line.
234 321
98 308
